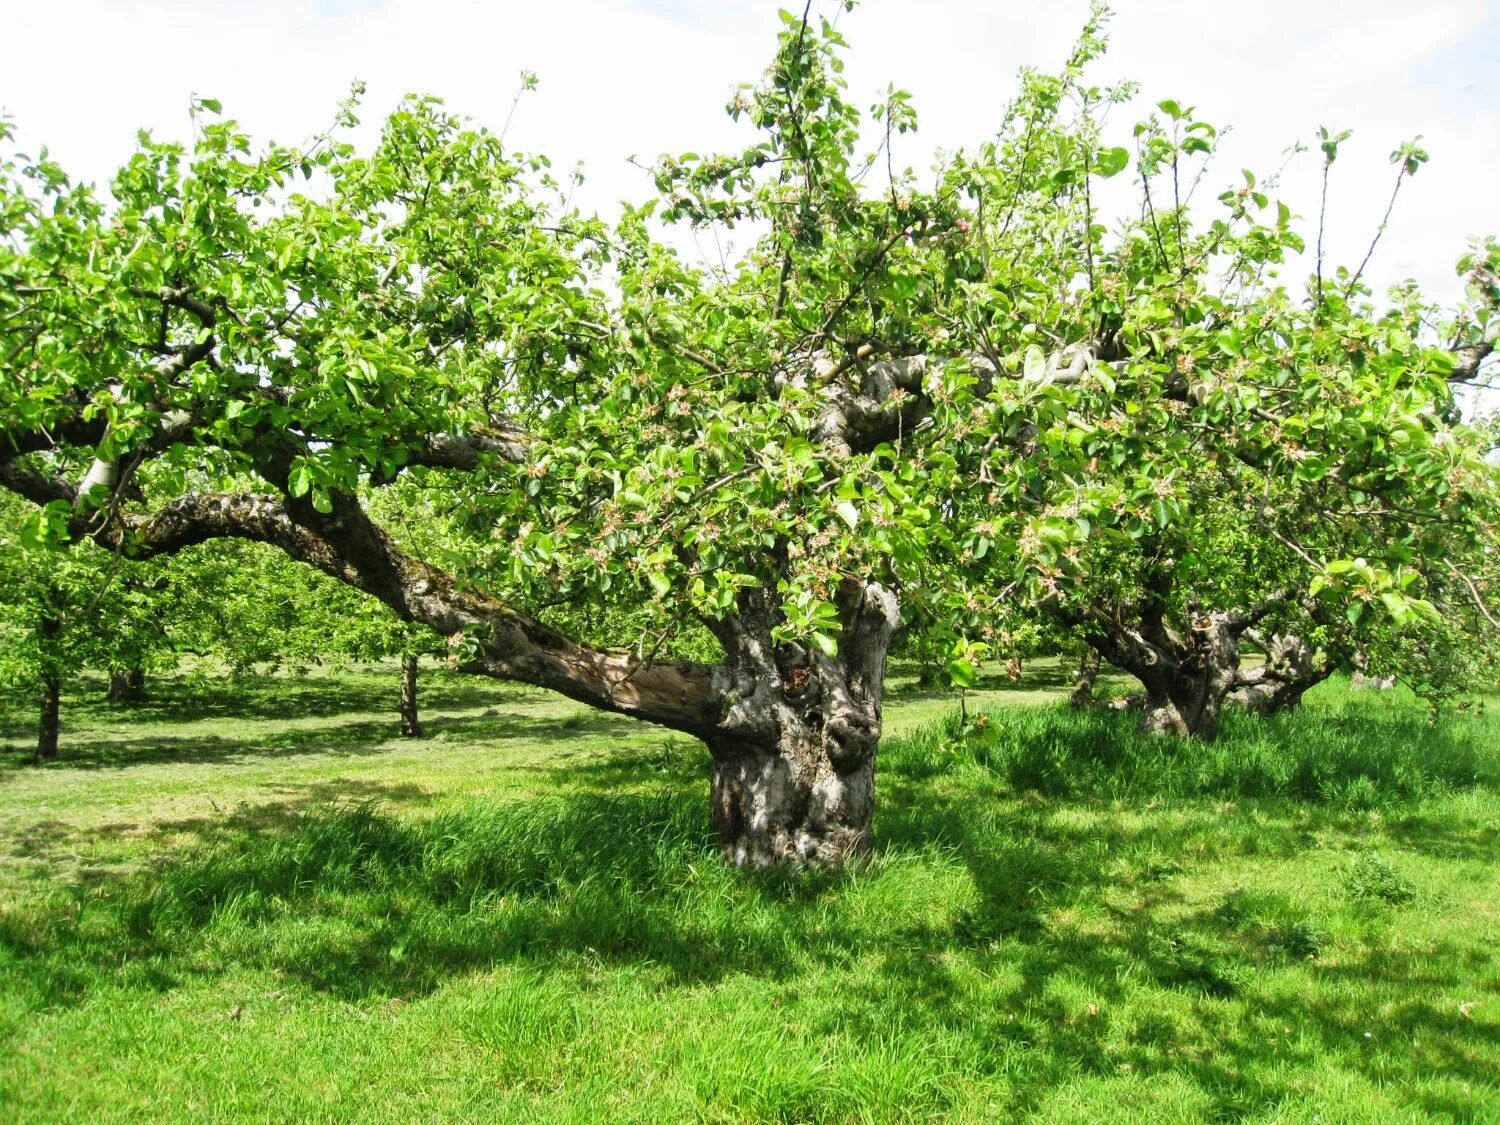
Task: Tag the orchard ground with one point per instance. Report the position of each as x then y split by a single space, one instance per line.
250 899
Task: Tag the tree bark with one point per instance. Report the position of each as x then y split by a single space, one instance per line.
1185 697
1083 684
49 631
411 724
794 760
127 687
1187 672
47 727
1290 668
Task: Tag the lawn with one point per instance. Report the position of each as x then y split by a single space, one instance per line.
249 900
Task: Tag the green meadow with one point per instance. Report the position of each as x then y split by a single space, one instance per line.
248 899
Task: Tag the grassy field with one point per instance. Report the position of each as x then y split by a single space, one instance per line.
251 901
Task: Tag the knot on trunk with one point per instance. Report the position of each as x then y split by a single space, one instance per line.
849 740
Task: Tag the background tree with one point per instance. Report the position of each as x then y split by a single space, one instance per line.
1190 453
63 611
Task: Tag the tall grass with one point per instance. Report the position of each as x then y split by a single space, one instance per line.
1357 755
1060 921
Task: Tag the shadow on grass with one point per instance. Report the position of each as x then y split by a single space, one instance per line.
199 705
965 921
188 699
361 737
356 903
48 841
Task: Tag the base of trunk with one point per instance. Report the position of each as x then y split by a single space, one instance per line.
771 808
1162 716
411 723
47 727
127 687
1191 717
1269 698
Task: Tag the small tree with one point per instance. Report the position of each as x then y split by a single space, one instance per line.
62 611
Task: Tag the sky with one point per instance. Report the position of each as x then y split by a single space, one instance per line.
641 77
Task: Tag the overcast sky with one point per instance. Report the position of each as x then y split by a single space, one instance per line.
623 77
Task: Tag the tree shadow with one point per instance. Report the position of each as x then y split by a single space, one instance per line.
47 843
351 901
325 888
354 738
184 701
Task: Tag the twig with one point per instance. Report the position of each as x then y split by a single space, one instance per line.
1474 593
1380 230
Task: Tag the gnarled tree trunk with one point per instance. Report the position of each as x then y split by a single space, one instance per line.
794 756
1185 692
1291 667
1187 672
411 723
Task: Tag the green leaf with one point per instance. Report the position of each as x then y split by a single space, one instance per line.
1111 161
962 673
826 644
1035 369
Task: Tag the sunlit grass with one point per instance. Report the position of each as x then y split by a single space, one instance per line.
207 912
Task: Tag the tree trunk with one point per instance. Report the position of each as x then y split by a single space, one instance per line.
49 632
411 724
794 767
1186 657
1187 698
1083 684
47 727
128 686
795 801
1269 697
1290 668
1187 675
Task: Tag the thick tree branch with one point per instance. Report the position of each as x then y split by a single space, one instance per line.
1467 359
505 643
463 451
39 488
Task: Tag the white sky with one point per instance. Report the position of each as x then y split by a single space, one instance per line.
650 76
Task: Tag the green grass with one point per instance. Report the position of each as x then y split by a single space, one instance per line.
251 901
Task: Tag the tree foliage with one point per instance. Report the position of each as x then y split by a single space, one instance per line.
417 370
